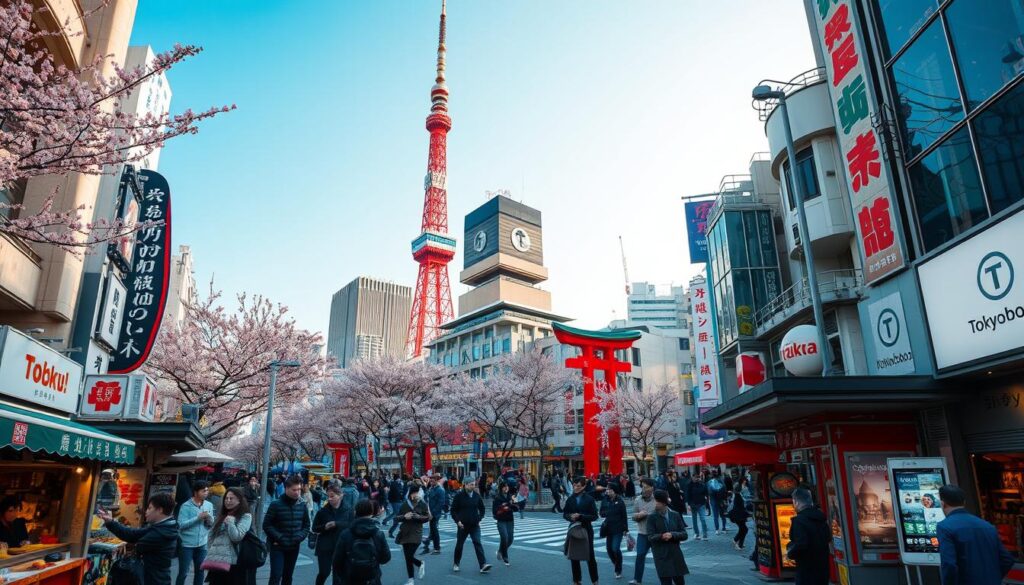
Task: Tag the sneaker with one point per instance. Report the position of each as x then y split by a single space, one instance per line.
486 568
436 552
504 559
618 575
423 569
737 545
633 582
455 568
410 582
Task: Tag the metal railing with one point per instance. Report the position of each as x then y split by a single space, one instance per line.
833 285
805 79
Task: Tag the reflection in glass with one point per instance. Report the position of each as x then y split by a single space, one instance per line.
987 36
1000 134
901 19
929 101
807 174
947 192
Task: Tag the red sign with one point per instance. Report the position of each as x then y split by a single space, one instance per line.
750 370
104 394
20 434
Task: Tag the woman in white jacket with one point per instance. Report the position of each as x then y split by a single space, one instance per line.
233 521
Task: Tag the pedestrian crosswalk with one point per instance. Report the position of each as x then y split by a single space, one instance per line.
537 530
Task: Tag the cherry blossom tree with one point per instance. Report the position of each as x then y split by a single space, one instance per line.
487 413
337 421
56 120
644 417
249 450
220 360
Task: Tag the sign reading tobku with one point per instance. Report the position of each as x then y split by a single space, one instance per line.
972 296
893 355
36 374
868 182
148 279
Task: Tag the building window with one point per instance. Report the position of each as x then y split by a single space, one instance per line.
902 18
636 356
684 344
987 36
947 192
999 131
506 345
13 194
487 350
835 343
579 420
465 356
476 353
806 173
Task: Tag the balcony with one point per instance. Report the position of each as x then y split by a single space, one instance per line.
834 286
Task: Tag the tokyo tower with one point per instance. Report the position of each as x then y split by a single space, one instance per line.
434 248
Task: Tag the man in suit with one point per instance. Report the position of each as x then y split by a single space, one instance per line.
969 548
582 508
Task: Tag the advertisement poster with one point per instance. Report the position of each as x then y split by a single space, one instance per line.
763 540
132 505
784 521
697 230
163 483
917 496
874 518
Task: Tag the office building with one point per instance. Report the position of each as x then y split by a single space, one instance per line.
368 319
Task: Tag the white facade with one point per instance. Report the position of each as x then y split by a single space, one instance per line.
665 309
181 290
152 97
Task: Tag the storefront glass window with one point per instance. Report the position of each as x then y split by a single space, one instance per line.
929 101
987 36
1000 134
902 18
737 245
750 235
1001 489
947 192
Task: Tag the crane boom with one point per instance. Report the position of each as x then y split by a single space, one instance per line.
625 270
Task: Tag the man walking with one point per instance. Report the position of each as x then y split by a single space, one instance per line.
969 548
643 507
286 526
809 537
396 495
581 509
557 489
195 518
697 498
437 500
467 512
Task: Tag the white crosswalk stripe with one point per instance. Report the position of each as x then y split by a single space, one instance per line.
535 530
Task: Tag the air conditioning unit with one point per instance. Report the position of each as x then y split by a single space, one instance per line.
118 397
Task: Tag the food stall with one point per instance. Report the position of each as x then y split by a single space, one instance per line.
49 464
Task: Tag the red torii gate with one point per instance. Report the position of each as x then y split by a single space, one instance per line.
598 353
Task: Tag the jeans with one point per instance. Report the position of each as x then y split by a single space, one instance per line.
716 513
194 556
325 563
434 535
282 565
393 516
473 532
409 550
697 511
613 543
643 546
742 534
680 580
522 507
577 569
558 504
506 531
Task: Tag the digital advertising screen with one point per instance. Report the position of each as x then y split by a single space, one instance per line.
915 485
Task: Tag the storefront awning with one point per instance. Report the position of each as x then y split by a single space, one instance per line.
731 452
26 429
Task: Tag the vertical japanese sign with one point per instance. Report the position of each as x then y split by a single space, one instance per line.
148 278
705 375
697 230
870 192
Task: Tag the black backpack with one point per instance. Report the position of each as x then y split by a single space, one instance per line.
252 552
362 560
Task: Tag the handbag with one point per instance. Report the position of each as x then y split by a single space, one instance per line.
126 571
252 552
210 565
630 542
603 531
311 541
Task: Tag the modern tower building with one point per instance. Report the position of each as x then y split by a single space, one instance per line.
433 249
368 320
646 305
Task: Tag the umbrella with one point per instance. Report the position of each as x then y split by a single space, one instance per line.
199 456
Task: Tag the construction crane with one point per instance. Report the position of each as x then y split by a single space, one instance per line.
625 271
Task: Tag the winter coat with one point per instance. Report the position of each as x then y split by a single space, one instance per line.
697 494
411 531
342 517
193 531
738 512
809 538
156 544
578 542
437 501
286 523
396 492
629 488
614 514
585 506
676 497
503 508
970 551
468 508
361 528
251 494
225 536
668 557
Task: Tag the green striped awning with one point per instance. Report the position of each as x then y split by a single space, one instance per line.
35 431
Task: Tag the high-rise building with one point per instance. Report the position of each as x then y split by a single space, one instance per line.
664 309
368 319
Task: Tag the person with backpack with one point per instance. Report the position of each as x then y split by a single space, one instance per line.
467 512
286 525
361 549
413 514
233 521
697 499
718 495
156 543
329 522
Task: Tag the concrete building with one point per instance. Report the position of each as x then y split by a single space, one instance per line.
665 309
181 292
368 319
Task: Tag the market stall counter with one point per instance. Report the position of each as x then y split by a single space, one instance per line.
65 572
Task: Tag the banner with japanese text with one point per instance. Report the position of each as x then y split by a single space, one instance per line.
705 374
874 210
148 279
697 230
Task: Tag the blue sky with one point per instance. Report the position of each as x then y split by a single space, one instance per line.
600 113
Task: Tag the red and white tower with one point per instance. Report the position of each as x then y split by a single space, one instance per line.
434 248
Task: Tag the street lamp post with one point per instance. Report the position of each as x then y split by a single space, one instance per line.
274 365
763 93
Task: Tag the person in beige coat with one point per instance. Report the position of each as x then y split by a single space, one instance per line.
233 521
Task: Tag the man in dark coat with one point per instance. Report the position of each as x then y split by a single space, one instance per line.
665 531
581 507
328 524
156 542
437 501
613 510
467 512
697 499
364 528
969 547
286 525
809 538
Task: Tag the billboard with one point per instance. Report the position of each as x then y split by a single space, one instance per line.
697 230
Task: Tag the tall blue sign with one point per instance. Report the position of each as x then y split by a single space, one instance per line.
697 230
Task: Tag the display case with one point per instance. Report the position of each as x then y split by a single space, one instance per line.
1000 480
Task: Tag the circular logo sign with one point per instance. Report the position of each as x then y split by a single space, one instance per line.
520 239
800 352
783 484
995 276
480 241
888 327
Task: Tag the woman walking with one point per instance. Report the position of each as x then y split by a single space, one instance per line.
665 531
738 514
329 522
524 496
413 514
613 510
557 489
503 508
233 521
